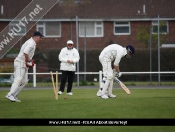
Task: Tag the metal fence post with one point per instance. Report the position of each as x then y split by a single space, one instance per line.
158 50
34 75
78 81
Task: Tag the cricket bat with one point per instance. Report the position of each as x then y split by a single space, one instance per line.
122 85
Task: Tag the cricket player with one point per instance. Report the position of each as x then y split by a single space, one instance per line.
113 52
21 65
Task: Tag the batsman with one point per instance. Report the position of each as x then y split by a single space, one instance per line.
112 53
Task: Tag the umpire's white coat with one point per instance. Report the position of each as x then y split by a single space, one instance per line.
68 54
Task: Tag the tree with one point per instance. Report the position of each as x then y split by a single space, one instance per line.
143 35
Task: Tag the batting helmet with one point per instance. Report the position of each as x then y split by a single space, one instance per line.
130 49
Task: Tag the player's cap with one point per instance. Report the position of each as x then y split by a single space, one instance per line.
37 33
130 49
70 42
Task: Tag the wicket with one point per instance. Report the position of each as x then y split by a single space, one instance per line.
55 88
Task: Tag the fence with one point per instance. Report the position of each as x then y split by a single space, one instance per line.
150 74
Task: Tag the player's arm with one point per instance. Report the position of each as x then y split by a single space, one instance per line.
62 56
26 57
116 71
76 57
28 60
27 50
117 68
29 63
116 64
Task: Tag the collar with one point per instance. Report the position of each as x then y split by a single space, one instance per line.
70 49
33 41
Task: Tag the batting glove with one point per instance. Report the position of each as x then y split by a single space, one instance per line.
118 74
29 64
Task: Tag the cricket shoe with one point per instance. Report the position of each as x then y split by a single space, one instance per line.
59 93
112 96
99 93
16 99
69 93
104 96
11 98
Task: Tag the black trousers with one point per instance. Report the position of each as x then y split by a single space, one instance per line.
67 76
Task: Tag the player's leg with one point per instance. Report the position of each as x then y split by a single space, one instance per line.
19 73
111 86
70 82
110 95
24 82
101 86
104 65
108 72
63 82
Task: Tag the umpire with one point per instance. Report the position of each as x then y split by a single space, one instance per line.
68 56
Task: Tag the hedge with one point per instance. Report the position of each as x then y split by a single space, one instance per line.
139 62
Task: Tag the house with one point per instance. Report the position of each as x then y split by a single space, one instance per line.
96 23
101 21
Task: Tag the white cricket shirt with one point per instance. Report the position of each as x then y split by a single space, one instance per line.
113 52
29 48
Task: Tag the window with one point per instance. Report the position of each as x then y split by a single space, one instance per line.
163 28
19 29
121 28
49 29
93 29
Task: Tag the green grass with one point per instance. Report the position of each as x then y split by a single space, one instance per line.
84 83
128 83
142 103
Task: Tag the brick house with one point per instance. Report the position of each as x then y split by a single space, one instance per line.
106 21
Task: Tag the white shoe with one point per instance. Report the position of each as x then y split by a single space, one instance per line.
99 93
16 99
11 98
112 96
69 93
60 92
104 96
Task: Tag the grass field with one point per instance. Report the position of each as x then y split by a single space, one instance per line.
142 103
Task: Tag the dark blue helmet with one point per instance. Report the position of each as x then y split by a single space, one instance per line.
130 49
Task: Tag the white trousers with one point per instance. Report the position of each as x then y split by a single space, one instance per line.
107 72
20 78
107 68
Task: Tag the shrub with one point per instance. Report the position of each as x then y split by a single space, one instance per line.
6 69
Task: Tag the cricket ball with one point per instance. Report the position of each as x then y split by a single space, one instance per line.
65 98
